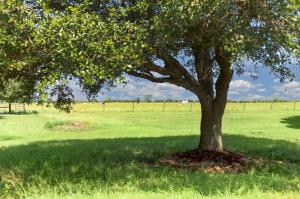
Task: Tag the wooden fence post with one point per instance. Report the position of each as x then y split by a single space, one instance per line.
191 106
9 107
163 109
103 106
272 106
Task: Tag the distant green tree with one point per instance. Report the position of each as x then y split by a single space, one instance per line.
13 91
138 100
18 79
148 98
106 99
170 100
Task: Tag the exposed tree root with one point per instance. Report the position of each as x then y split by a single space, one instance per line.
210 161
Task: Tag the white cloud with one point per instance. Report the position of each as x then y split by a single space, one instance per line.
233 93
259 85
246 90
256 97
261 90
241 86
291 89
250 74
239 90
139 88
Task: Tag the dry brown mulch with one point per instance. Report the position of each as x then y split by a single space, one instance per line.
210 161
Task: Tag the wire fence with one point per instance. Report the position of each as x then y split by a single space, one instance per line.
181 107
6 107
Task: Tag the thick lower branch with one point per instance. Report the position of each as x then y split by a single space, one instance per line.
155 68
150 77
174 65
193 87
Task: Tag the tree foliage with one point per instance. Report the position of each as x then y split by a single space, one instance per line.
98 42
13 91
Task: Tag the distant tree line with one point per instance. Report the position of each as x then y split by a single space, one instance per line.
138 100
262 101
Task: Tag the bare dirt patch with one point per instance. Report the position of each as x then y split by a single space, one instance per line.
73 126
66 125
211 161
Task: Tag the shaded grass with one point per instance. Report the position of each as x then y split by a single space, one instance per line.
6 138
85 166
292 122
20 113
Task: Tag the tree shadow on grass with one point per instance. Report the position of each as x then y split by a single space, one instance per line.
112 164
20 113
292 122
8 138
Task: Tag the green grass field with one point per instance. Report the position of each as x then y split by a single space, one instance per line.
109 154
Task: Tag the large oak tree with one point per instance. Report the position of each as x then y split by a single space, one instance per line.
194 44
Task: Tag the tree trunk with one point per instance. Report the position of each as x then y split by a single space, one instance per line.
211 128
213 106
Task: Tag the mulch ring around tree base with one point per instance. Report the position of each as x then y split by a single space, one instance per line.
210 161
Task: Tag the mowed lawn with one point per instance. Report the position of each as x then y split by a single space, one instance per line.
97 152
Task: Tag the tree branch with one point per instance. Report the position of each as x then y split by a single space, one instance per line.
222 85
173 66
174 73
150 77
170 80
155 68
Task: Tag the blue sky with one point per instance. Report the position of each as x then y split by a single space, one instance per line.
243 87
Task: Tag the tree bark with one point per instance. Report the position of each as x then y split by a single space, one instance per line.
211 128
213 109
